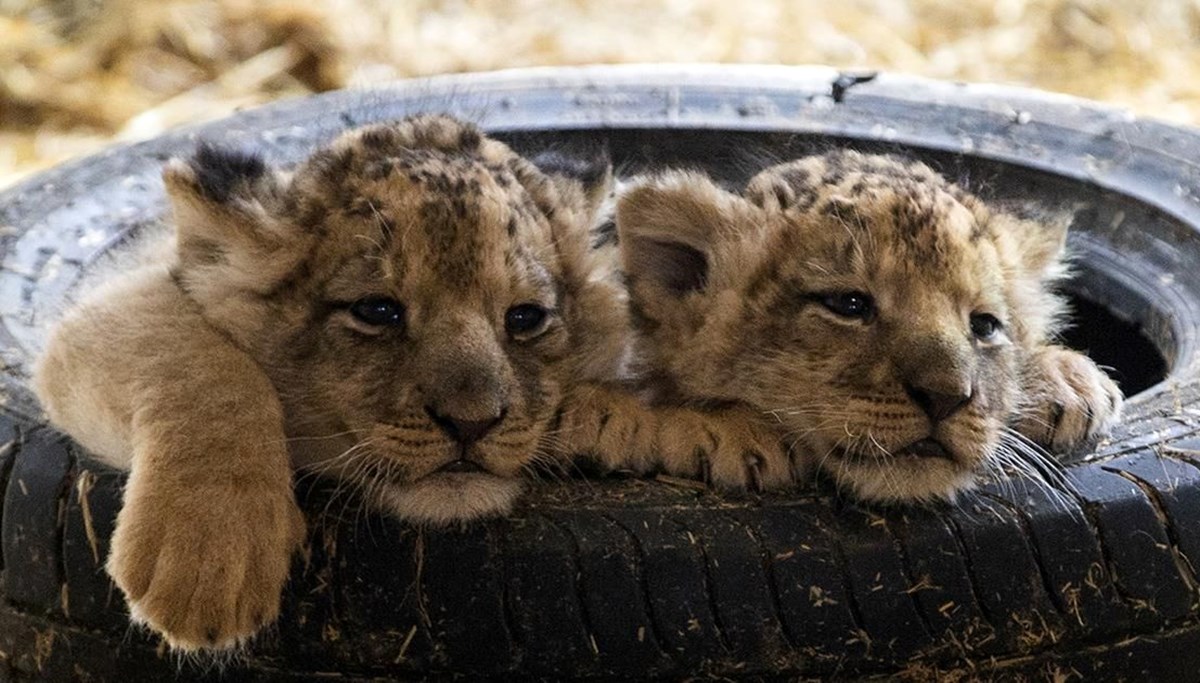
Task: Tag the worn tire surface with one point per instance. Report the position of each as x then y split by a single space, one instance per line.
632 578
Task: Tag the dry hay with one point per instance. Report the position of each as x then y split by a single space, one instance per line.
77 74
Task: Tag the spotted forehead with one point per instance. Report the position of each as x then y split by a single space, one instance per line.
883 234
873 215
439 157
469 221
424 219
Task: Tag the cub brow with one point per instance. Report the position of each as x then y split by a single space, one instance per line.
361 274
538 279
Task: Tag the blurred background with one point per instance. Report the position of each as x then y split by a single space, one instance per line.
76 75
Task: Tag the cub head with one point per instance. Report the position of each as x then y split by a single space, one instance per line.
879 312
420 296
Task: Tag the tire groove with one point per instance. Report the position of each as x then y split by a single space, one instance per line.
1031 544
772 586
906 568
643 586
12 450
578 581
956 533
710 593
1089 511
843 565
499 558
1186 571
60 528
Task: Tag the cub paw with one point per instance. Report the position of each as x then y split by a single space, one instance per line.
730 448
1070 400
204 566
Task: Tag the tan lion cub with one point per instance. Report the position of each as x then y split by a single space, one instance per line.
415 309
896 328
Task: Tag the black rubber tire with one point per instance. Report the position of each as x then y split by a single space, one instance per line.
642 578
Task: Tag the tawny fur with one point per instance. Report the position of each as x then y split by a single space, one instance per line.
212 375
730 291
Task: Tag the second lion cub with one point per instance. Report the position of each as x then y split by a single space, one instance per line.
897 328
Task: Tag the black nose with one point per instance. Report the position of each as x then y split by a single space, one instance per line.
936 404
466 432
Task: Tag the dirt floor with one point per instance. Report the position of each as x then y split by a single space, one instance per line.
79 74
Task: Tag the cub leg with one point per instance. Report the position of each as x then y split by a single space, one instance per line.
730 447
1069 399
205 536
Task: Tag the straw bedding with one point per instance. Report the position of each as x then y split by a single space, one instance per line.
78 74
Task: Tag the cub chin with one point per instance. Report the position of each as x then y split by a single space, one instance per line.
896 329
414 309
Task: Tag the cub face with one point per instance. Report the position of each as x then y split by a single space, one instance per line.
418 294
881 314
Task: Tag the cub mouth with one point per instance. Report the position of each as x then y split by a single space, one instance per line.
921 449
461 466
925 448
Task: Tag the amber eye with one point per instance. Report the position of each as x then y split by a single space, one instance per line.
525 320
984 326
378 311
858 305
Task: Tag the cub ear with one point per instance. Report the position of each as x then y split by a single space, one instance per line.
227 209
585 170
668 228
1040 234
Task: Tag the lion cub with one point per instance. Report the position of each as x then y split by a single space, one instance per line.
415 309
897 329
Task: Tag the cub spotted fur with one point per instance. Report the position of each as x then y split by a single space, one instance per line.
896 328
415 309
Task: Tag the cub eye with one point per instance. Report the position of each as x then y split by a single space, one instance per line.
525 320
849 304
378 311
984 326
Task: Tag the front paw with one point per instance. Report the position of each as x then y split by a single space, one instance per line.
1070 400
204 566
731 448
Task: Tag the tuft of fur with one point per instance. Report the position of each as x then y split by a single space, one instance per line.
210 376
221 173
753 298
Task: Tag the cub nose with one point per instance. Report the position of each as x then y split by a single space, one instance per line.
465 432
938 405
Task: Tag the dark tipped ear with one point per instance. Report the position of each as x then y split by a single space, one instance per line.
588 170
222 196
790 185
668 227
770 191
228 208
221 174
